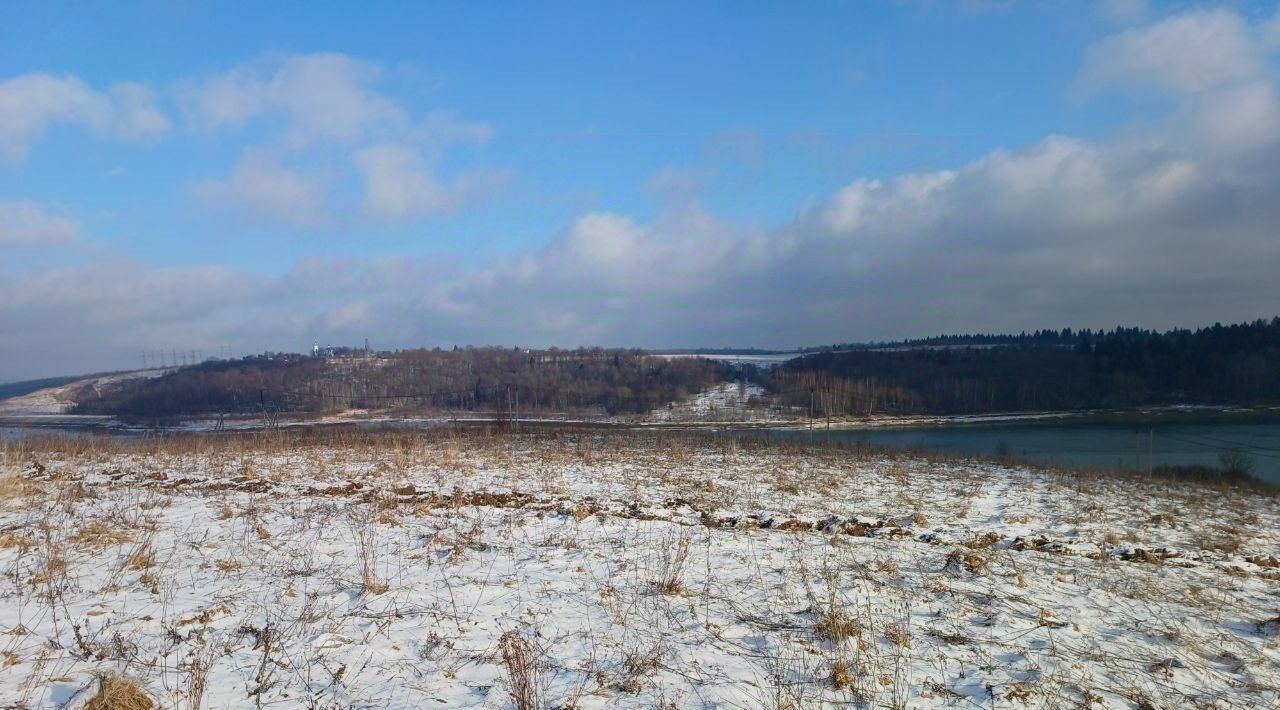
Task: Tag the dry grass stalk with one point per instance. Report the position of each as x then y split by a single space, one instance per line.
671 563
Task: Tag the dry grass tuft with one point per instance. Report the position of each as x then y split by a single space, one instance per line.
9 540
1226 543
143 557
116 692
835 626
842 677
898 634
982 542
55 568
671 564
99 533
367 545
228 566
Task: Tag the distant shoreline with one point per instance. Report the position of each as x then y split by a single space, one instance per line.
196 425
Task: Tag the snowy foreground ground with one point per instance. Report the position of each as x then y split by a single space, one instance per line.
619 570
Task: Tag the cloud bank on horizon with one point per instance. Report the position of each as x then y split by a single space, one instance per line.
1168 218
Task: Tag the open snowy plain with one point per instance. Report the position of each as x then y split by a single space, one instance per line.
635 569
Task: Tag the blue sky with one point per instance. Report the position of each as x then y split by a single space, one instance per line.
268 175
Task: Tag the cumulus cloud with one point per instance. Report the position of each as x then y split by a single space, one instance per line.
327 101
401 182
1186 53
1063 232
31 103
1214 62
322 96
26 224
261 186
1163 227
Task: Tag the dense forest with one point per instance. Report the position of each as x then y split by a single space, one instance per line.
470 379
1047 370
1066 336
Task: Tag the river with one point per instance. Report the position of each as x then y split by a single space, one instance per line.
1134 445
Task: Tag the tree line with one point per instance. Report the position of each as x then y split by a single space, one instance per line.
1049 370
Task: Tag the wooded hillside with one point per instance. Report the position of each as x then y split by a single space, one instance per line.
1047 370
473 379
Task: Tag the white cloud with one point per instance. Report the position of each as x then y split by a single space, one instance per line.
1193 52
1213 62
262 187
31 103
134 112
322 97
401 183
27 224
327 104
1168 226
1240 117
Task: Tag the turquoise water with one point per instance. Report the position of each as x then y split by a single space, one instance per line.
1134 445
1131 445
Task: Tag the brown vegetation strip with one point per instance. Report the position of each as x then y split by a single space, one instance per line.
411 495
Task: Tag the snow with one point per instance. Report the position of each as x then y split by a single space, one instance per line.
58 400
763 360
727 402
636 570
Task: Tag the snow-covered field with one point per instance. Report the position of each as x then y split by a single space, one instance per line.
620 570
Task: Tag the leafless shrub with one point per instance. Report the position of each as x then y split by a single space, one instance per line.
197 676
366 542
520 658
